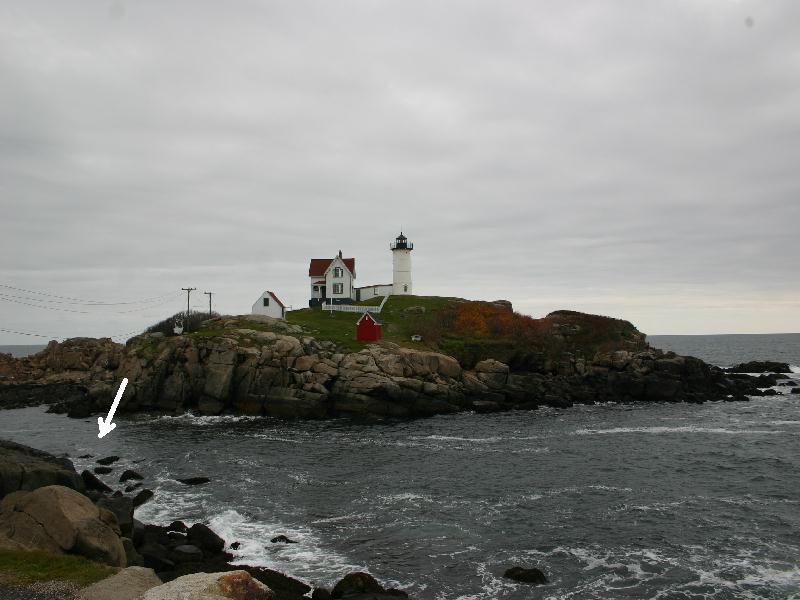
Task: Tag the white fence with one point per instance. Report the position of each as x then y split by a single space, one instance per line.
355 308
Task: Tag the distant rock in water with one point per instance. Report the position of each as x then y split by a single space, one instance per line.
760 366
282 539
526 575
129 474
103 470
107 460
363 585
194 480
142 497
91 482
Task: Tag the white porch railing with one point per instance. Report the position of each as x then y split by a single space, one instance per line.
353 308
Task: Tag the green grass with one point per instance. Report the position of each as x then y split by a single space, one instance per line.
398 326
29 567
337 327
371 302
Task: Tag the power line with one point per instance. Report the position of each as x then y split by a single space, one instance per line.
8 299
84 304
11 298
84 301
50 337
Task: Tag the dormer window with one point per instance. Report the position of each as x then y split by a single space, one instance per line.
338 272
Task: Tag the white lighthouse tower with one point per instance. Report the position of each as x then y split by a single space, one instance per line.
401 266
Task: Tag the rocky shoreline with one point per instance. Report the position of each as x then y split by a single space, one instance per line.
259 366
45 505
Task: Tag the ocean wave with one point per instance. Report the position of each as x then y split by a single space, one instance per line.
682 429
477 440
204 420
794 369
307 559
452 438
788 579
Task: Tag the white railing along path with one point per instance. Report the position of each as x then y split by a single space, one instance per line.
355 308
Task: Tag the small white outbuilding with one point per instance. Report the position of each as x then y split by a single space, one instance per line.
270 305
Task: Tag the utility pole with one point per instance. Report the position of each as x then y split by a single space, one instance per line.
209 294
188 291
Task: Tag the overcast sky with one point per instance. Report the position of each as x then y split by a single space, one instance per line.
635 159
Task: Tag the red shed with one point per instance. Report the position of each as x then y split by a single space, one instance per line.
368 328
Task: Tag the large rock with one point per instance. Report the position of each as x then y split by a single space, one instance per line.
523 575
25 468
128 584
760 366
364 586
59 519
202 536
91 482
122 507
234 585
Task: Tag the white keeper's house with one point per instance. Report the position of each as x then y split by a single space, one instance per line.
332 280
270 305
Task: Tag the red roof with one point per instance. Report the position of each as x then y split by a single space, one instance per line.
318 266
370 316
278 300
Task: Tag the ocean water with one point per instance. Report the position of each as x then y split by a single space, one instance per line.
727 350
611 501
21 350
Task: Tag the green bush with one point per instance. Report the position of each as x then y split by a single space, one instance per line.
193 323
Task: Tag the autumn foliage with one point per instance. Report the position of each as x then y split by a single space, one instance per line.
484 319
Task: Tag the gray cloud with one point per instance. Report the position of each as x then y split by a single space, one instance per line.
633 159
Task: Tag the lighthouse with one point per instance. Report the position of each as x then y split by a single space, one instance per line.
401 266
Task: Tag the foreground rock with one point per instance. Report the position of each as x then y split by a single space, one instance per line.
128 584
236 585
530 575
24 468
60 520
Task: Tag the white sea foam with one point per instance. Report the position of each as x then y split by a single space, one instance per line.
308 558
794 368
789 579
452 438
662 430
203 420
610 488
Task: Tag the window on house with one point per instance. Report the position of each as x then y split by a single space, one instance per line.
316 288
405 288
338 272
266 301
338 288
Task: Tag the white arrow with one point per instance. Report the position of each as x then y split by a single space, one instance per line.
107 426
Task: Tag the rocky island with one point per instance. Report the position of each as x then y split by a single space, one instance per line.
476 356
